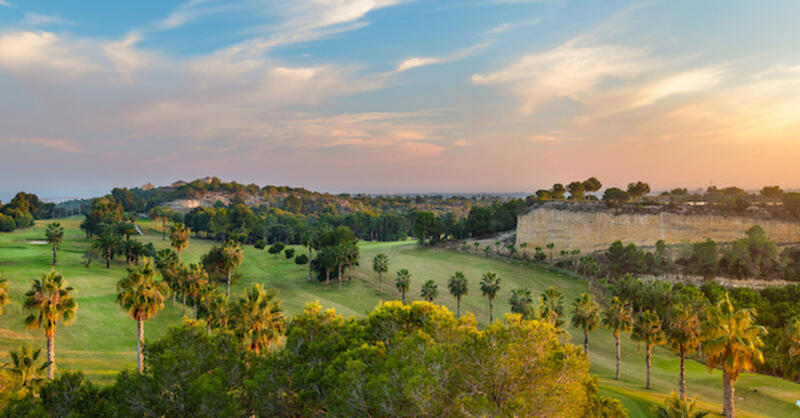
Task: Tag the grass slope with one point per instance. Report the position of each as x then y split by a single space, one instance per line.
102 340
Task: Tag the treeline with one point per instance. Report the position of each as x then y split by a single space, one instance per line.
400 360
754 256
22 210
481 221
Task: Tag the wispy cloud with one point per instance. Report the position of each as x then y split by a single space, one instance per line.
4 3
38 19
415 62
57 144
511 26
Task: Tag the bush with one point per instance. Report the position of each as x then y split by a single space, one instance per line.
289 253
276 248
301 259
7 223
260 244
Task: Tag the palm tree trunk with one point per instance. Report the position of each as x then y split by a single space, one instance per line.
616 338
647 360
228 289
139 344
586 341
108 259
340 276
403 295
458 307
729 392
491 306
55 255
683 375
51 356
327 277
184 303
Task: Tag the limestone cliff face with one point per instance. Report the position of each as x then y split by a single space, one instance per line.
595 230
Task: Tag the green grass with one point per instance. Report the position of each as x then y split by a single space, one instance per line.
102 340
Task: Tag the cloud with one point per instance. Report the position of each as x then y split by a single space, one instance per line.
37 19
4 3
57 144
415 62
511 26
40 51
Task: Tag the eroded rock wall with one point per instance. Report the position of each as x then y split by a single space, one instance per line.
591 231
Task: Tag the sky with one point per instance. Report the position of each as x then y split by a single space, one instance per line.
384 96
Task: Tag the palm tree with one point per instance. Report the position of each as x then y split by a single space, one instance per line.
233 255
647 329
618 318
106 242
675 407
3 294
179 238
380 265
142 296
429 291
490 285
524 248
790 344
403 283
215 308
55 236
457 285
551 307
521 302
732 341
550 247
196 280
258 317
683 334
25 367
585 315
49 300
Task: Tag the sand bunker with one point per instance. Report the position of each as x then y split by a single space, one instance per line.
37 242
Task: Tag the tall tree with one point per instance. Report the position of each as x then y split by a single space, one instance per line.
733 342
490 285
551 307
683 333
106 241
638 189
26 368
521 302
647 329
790 344
457 285
196 280
257 318
592 184
55 236
50 300
380 265
429 291
142 296
585 315
179 238
232 259
403 283
618 317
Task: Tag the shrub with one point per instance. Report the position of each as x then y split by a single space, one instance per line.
276 248
289 253
301 259
7 223
260 244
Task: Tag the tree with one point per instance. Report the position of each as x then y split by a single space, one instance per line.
704 259
427 228
618 318
276 248
791 202
490 285
26 369
429 291
232 255
7 223
521 302
49 300
55 236
592 184
380 265
676 407
403 282
638 189
161 214
551 307
616 195
790 344
3 294
647 329
257 318
301 259
733 342
557 192
106 242
288 253
196 279
585 315
142 296
576 190
683 333
457 285
179 238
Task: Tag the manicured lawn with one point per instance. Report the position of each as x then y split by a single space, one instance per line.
102 340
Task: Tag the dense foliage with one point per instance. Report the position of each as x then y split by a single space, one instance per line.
401 360
22 210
